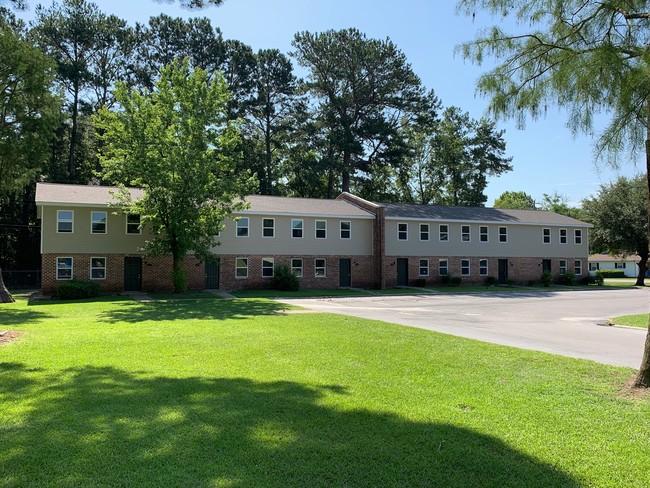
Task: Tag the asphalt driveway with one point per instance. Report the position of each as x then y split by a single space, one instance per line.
569 323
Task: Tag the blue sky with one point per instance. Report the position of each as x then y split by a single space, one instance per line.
547 158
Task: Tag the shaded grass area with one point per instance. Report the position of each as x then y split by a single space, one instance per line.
638 320
190 295
231 393
308 293
623 282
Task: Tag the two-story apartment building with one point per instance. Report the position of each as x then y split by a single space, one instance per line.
327 243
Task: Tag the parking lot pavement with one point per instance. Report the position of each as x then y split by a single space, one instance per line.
569 323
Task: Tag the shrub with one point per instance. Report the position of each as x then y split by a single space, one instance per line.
610 273
567 278
445 279
598 280
421 282
592 280
490 281
74 289
285 280
546 278
510 282
455 281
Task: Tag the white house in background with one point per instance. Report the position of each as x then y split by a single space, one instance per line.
627 264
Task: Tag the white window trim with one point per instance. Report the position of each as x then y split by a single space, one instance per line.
566 236
58 219
550 238
440 261
239 267
506 234
420 267
341 222
566 266
577 234
301 268
272 261
90 265
248 227
126 225
266 228
469 233
56 264
302 228
316 229
105 223
469 267
440 233
428 232
404 231
577 267
486 234
324 268
487 267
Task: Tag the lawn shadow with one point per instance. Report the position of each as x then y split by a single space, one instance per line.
20 316
107 427
133 312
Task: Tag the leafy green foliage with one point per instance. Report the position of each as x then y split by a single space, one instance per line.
284 279
566 279
546 278
76 289
490 280
610 273
519 200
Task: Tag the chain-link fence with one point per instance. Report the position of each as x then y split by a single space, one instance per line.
22 279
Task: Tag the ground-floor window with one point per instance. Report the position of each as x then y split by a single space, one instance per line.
594 266
296 267
443 267
483 267
619 265
267 267
241 267
64 268
97 268
563 266
320 268
577 265
464 267
424 267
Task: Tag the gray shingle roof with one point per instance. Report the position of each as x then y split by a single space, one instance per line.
304 206
55 193
478 214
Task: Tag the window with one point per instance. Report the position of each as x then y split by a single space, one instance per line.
577 236
594 266
296 228
619 265
296 267
424 267
465 234
241 268
483 267
319 268
346 229
424 232
242 227
577 267
64 268
563 236
321 229
98 222
483 233
402 232
444 232
443 267
546 236
562 266
97 268
133 224
503 234
267 267
64 221
268 227
464 267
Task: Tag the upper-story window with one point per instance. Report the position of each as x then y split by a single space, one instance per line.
563 236
346 229
577 236
483 233
465 233
444 232
296 228
98 222
268 227
321 229
503 234
133 224
424 232
546 236
65 221
242 227
402 231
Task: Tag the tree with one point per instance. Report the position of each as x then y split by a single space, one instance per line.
367 93
516 200
28 112
177 145
620 218
559 204
586 57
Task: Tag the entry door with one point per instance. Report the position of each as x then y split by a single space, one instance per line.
132 274
345 272
402 272
546 265
212 275
503 271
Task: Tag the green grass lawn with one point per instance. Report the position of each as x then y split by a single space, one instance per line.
233 393
639 320
307 293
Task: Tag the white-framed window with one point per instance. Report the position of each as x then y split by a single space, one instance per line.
563 266
321 229
64 268
443 267
402 231
346 229
242 227
133 224
503 234
268 228
424 267
464 267
577 267
65 221
546 236
483 269
268 268
577 236
594 266
241 268
297 226
619 265
320 268
424 232
443 232
98 222
296 267
97 268
483 233
563 236
465 233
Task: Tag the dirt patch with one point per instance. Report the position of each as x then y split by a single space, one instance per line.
6 336
631 393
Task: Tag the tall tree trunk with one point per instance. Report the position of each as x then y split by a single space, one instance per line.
5 296
345 176
643 267
269 159
73 135
179 277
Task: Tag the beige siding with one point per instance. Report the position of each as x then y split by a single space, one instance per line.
116 240
523 241
283 244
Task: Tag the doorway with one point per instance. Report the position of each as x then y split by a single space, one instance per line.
132 274
402 272
503 271
345 273
212 275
